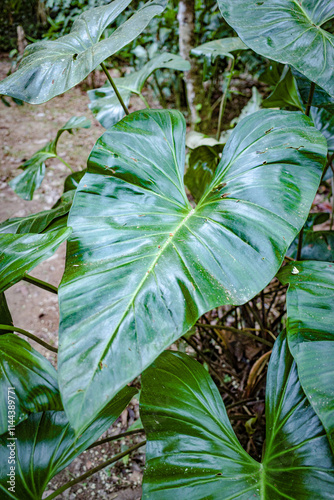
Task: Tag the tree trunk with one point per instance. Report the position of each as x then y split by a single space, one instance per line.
193 78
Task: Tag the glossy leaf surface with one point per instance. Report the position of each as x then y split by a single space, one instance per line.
192 451
143 265
104 102
285 94
50 68
20 253
321 99
26 183
47 441
288 31
31 377
310 328
37 223
5 316
224 47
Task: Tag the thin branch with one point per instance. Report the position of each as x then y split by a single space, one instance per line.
93 471
41 284
112 83
224 99
115 438
29 335
65 163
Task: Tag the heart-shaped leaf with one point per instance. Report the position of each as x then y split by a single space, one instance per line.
192 451
143 264
5 316
285 94
310 329
50 68
31 378
20 253
26 183
288 31
220 48
45 444
37 223
104 102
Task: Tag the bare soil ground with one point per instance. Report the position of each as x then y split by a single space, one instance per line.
24 130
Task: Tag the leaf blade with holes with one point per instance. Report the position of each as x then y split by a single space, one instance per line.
192 451
47 441
104 103
32 377
20 253
50 68
310 310
143 265
287 31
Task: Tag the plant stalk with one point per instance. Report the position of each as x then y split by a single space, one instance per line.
236 330
29 335
112 83
144 100
224 99
65 163
93 471
115 438
41 284
309 100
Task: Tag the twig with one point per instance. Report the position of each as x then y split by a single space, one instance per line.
115 438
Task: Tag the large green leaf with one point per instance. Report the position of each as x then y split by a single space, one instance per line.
20 253
5 316
143 265
310 328
37 223
192 451
45 444
220 48
285 94
50 68
288 31
31 377
33 173
104 102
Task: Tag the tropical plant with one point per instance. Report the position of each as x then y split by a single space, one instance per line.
151 250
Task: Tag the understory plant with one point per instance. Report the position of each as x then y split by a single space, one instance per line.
151 251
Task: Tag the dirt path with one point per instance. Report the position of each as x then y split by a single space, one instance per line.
24 130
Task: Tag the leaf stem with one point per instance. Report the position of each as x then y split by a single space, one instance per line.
93 471
300 244
65 163
309 100
144 100
112 83
29 335
224 99
41 284
115 438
